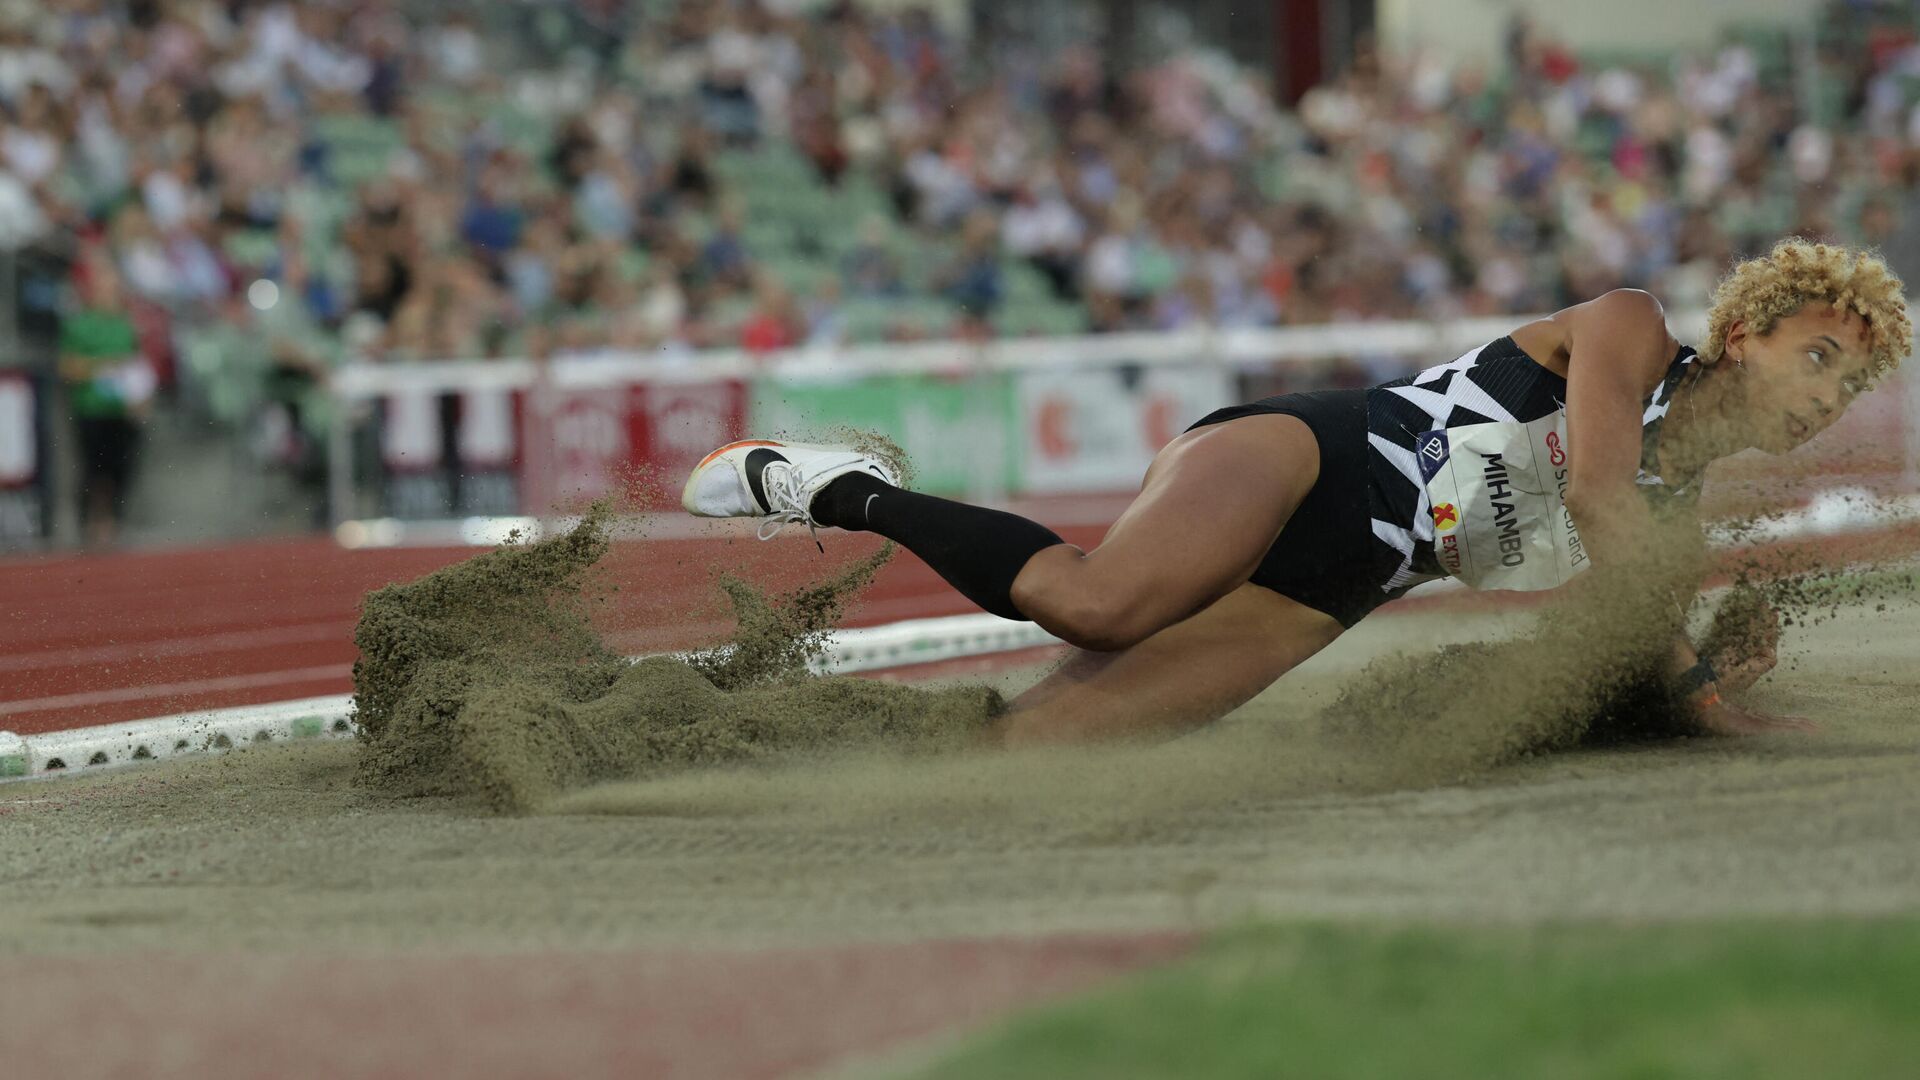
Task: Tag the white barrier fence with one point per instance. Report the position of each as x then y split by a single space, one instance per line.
24 510
496 438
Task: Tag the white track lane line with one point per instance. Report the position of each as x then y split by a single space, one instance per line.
179 689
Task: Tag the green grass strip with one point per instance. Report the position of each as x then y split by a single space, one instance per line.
1744 1000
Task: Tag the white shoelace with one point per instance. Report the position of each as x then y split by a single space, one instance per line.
786 493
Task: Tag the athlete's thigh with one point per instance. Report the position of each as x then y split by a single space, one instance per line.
1209 509
1189 674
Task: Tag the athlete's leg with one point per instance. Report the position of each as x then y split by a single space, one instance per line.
1212 504
1210 507
1189 674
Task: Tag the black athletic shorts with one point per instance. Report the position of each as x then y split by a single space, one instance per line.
1325 557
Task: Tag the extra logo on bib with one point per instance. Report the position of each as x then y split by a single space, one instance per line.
1497 494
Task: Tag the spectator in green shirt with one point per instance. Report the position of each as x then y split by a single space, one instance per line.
109 385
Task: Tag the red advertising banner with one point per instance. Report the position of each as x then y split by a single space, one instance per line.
638 439
450 453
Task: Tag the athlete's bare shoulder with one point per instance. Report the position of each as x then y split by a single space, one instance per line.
1629 325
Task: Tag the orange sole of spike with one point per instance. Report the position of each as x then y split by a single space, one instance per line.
735 446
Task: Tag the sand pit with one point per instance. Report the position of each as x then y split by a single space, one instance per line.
489 680
280 849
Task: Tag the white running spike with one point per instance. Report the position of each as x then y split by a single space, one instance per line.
773 480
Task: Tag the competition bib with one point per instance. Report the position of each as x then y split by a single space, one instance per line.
1498 498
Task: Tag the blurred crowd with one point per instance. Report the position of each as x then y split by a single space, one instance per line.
258 190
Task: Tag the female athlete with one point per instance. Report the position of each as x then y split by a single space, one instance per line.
1268 528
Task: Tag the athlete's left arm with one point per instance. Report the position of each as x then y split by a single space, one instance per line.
1744 641
1740 646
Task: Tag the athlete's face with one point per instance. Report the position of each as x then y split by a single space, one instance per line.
1798 378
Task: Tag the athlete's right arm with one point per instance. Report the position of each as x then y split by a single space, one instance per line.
1618 349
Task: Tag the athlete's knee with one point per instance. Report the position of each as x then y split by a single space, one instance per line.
1084 605
1095 620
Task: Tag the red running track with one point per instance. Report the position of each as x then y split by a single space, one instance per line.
96 639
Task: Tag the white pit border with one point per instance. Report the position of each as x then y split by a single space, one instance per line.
136 742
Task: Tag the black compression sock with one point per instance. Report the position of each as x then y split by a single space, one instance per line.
979 551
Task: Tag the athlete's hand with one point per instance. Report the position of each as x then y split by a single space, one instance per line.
1744 644
1738 672
1723 717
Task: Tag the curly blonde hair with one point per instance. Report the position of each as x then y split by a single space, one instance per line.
1762 291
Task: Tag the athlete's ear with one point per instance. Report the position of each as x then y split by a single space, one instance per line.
1735 348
